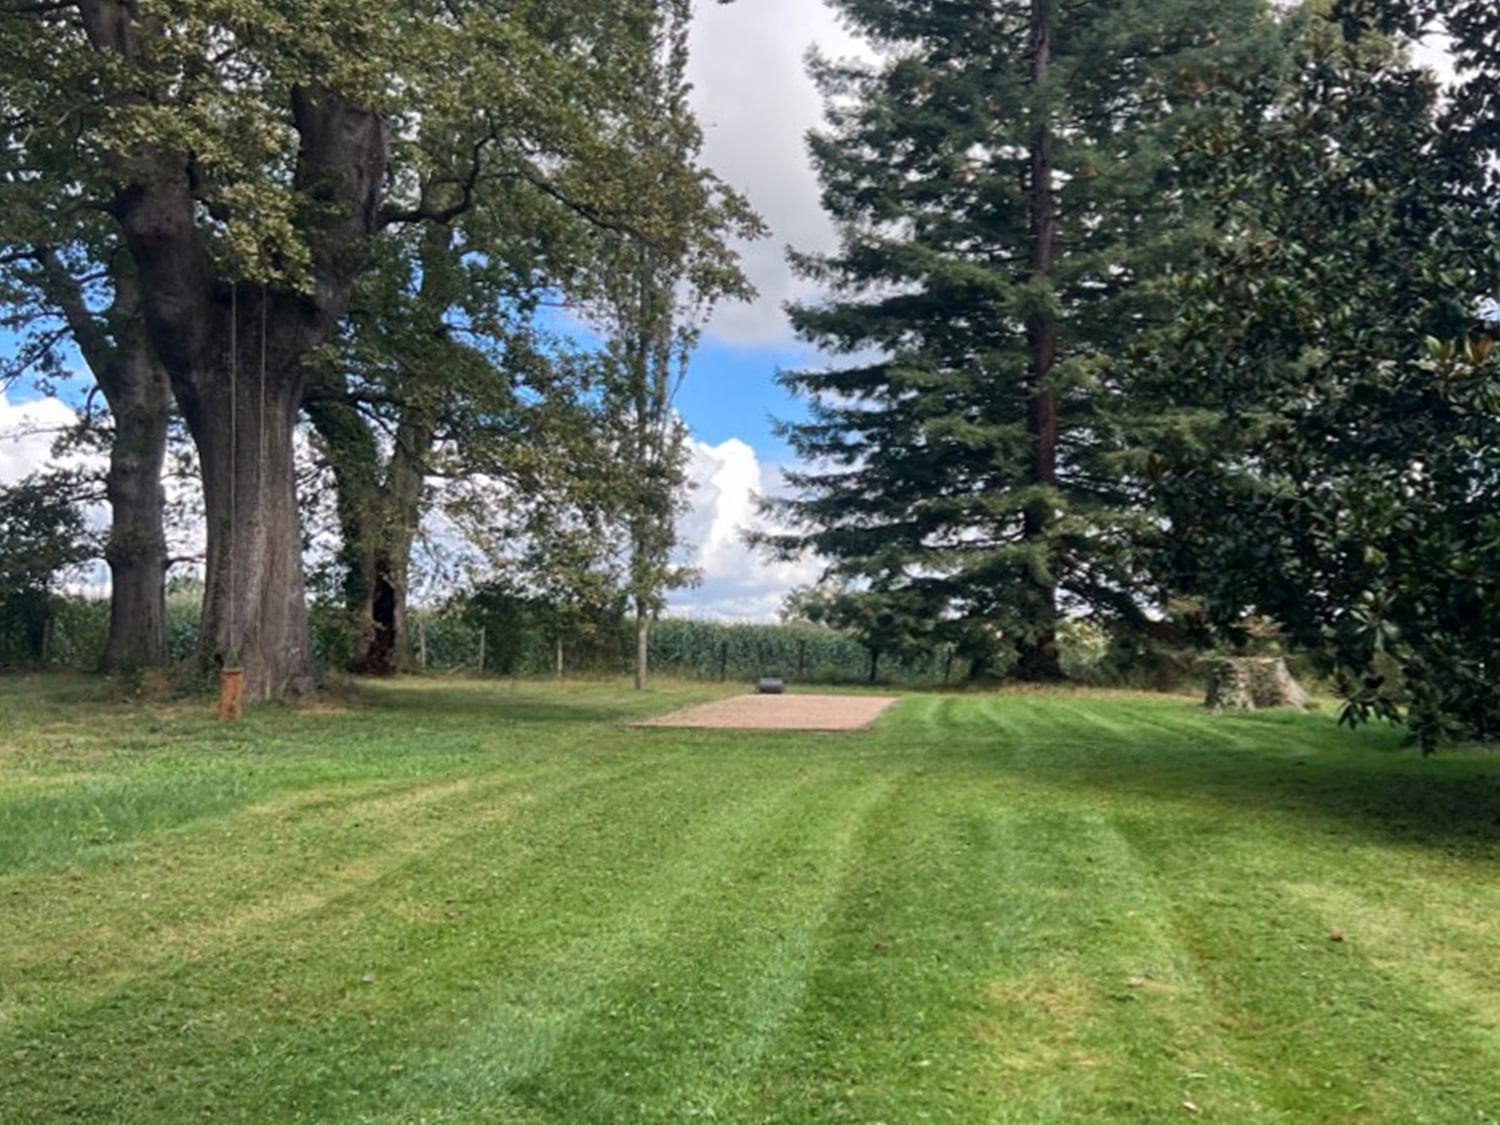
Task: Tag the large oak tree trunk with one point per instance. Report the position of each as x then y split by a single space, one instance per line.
140 399
254 611
1038 656
115 346
234 355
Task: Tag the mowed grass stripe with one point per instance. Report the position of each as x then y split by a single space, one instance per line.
670 1032
513 888
1324 1021
992 1005
464 902
1098 1010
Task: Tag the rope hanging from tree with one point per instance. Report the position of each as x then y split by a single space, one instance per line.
231 671
232 656
232 674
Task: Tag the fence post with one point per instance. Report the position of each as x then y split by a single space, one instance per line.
481 651
422 645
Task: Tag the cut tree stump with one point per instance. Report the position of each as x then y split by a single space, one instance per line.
1253 683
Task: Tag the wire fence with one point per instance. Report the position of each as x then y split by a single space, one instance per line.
70 634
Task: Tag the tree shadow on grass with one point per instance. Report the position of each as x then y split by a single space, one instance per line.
1233 766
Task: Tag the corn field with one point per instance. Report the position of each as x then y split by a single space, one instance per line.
707 650
449 641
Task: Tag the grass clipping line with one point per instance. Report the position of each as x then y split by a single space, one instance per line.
779 712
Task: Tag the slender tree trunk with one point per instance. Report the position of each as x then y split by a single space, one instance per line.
1038 652
642 646
136 552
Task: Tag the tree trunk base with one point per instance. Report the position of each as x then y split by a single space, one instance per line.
1253 684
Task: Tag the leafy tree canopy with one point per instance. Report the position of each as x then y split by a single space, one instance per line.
1004 183
1326 438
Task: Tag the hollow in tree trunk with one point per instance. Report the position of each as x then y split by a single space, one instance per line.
383 645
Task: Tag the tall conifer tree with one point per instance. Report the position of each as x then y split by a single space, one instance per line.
1002 183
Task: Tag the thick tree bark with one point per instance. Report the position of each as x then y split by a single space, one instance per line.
136 552
254 611
234 353
115 347
1038 656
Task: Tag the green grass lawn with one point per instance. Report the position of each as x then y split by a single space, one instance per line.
458 902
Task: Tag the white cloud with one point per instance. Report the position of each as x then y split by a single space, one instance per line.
756 103
27 431
738 583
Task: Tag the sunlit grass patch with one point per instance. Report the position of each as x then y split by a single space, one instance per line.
462 901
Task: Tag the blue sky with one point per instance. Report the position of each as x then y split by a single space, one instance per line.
731 393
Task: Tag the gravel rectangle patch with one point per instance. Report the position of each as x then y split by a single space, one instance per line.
779 712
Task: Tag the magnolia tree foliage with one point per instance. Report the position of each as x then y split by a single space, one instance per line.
1326 438
1470 30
